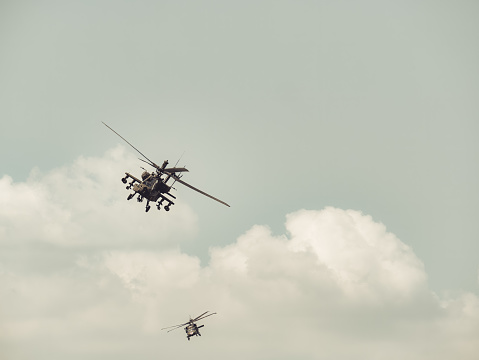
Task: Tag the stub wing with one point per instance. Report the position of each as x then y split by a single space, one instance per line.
133 177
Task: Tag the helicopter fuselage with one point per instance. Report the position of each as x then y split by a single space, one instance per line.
192 329
151 188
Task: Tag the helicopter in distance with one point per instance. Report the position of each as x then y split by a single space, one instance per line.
153 186
191 328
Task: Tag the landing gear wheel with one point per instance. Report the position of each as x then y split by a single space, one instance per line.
147 208
129 197
167 207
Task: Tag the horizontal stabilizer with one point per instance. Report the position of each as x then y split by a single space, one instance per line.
176 169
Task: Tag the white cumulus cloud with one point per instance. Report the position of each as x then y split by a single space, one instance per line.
85 205
363 257
335 285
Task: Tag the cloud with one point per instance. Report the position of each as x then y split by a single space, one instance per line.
85 205
336 285
274 300
363 257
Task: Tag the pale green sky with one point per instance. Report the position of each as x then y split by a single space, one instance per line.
278 105
285 106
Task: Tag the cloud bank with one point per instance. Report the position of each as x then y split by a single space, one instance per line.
336 285
83 205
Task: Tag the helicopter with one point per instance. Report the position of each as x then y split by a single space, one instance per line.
153 186
191 328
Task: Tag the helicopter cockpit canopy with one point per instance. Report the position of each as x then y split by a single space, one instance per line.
145 175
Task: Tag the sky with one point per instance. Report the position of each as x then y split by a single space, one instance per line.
343 135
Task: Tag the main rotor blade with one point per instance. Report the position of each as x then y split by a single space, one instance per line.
196 318
150 162
198 190
175 326
178 327
167 170
201 318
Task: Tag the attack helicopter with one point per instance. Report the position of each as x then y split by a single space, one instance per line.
153 186
191 328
